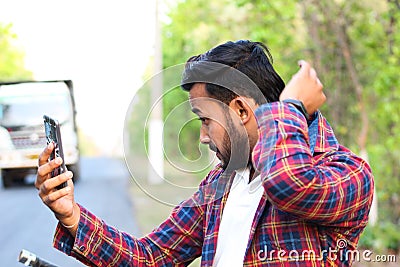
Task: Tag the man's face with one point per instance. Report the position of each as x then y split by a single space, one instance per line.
220 129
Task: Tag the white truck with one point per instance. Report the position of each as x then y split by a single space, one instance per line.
22 135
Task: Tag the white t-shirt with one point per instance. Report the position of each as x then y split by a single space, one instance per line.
237 218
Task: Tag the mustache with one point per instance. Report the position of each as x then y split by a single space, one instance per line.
213 147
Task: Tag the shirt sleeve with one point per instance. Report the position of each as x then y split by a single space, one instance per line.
176 242
332 187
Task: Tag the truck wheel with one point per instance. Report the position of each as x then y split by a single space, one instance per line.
7 178
75 168
14 176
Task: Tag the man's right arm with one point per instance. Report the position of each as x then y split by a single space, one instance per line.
174 242
89 239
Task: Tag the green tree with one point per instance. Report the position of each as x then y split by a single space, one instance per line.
11 57
356 48
196 26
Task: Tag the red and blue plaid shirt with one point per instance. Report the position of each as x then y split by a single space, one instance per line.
316 203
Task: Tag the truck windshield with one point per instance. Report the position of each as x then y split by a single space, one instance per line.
20 108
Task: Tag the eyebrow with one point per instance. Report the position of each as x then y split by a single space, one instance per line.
196 111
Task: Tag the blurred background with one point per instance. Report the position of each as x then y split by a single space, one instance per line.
110 49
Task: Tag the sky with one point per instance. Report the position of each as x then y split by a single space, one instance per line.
103 46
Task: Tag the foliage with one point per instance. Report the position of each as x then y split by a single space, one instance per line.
11 57
209 24
381 238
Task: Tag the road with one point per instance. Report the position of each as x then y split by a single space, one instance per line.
27 224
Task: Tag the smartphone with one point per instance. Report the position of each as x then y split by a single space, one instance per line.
53 135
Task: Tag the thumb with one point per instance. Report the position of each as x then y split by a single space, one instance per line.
305 67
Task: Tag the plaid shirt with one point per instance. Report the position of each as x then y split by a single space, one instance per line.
316 204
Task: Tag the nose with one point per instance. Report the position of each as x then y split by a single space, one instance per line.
204 138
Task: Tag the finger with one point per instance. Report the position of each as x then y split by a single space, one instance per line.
45 169
44 156
313 73
323 97
54 196
320 84
304 67
50 184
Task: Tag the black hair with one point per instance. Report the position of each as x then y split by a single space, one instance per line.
223 82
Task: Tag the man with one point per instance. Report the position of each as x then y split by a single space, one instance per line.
286 193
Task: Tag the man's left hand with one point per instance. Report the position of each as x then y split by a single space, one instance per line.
306 87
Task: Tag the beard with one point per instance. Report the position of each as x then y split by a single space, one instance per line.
235 150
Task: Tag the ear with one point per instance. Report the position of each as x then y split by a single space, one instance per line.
241 108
